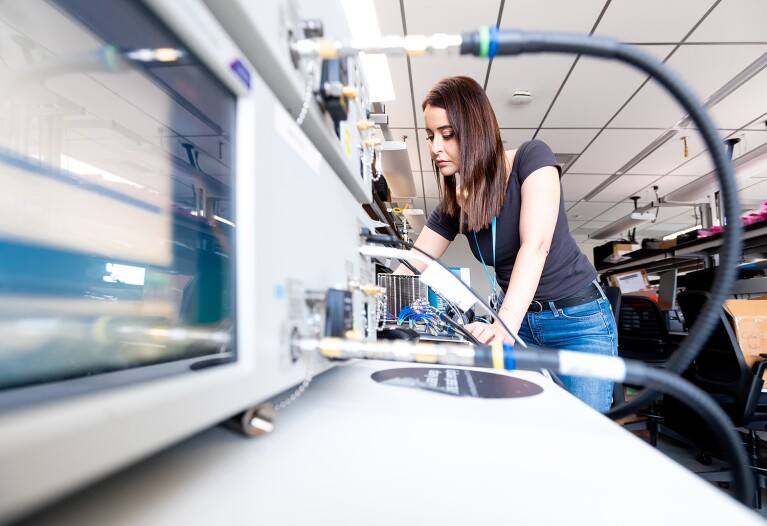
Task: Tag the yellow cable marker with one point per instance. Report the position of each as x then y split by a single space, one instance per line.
497 350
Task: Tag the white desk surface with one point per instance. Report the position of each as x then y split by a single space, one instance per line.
352 451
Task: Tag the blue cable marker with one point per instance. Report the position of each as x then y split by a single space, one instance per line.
509 362
493 47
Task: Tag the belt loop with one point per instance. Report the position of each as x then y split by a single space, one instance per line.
553 308
599 288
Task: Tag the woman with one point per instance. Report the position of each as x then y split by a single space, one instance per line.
509 205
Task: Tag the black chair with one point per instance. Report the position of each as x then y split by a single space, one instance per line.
643 335
613 295
642 331
721 370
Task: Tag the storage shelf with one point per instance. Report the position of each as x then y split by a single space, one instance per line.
693 255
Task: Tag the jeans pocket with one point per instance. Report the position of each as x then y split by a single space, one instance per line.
586 311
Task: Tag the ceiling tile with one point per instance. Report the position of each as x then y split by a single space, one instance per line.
653 107
651 20
746 188
624 187
699 165
585 103
616 212
400 110
670 155
575 186
760 123
431 204
744 104
567 141
389 17
586 211
734 21
429 188
512 138
666 185
570 17
590 228
540 74
447 16
612 149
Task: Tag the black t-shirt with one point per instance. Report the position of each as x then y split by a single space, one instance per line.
566 270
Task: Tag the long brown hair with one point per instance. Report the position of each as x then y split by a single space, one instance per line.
483 160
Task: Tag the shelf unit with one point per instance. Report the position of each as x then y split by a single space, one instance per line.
695 255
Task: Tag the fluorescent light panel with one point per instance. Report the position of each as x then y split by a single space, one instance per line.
363 23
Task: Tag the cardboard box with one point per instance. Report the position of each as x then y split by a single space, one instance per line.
668 243
749 319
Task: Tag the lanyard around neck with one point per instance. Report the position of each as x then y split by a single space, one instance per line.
494 278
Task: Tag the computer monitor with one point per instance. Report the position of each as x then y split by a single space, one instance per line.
146 290
667 290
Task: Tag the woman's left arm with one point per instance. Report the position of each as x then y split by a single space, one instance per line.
537 220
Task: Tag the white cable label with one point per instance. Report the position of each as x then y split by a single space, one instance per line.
592 365
447 284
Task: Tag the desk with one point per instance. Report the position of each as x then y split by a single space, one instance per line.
352 451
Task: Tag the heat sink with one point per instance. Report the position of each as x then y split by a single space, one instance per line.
401 291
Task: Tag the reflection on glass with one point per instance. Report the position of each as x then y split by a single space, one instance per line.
116 218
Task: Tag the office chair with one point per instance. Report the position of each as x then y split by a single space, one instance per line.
721 370
642 331
643 335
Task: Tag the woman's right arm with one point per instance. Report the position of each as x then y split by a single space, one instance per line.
431 243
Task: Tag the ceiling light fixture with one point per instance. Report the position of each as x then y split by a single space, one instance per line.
363 23
395 163
521 98
624 224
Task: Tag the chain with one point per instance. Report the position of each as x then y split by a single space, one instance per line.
307 94
285 402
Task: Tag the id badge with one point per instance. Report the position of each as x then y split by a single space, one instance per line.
493 301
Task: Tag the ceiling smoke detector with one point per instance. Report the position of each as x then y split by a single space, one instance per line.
521 97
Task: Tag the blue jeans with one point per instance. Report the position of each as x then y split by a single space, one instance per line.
589 327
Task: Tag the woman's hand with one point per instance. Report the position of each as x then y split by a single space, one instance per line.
486 333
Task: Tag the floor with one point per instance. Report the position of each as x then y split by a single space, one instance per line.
688 457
